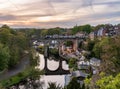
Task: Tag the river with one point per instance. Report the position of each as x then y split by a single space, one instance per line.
52 65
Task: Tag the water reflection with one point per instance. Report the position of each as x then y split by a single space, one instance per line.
59 79
52 65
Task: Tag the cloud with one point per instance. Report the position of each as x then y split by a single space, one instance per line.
7 17
62 1
52 13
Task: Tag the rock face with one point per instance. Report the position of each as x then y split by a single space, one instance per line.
28 84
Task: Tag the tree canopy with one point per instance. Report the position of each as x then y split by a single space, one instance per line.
12 46
4 57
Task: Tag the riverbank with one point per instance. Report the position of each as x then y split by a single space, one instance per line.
23 73
23 64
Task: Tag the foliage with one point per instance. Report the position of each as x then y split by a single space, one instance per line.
40 49
108 49
72 63
34 59
90 45
68 43
14 56
74 84
99 26
54 52
15 41
98 48
1 87
54 86
109 82
30 73
87 83
4 57
51 31
84 28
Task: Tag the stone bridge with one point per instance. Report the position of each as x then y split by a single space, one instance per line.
60 40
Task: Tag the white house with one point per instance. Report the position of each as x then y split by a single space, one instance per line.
92 35
78 74
95 62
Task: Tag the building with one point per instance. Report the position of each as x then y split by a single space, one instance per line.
95 62
80 75
107 30
92 35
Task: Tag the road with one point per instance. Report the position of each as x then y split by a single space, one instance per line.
17 69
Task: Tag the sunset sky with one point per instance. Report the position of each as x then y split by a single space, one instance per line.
62 13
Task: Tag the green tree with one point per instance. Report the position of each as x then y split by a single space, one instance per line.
44 32
68 43
4 57
4 35
15 41
5 26
109 82
75 29
73 63
53 31
14 56
74 84
1 87
54 52
84 28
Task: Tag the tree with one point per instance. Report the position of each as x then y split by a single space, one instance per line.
14 56
84 28
54 86
72 63
54 52
68 43
5 26
75 29
110 65
15 41
1 87
109 82
53 31
73 84
44 32
4 35
4 57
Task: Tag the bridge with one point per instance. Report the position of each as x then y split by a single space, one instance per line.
47 39
58 37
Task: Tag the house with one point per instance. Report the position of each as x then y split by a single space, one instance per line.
79 74
80 34
82 58
53 44
107 30
95 62
84 63
92 35
117 29
103 31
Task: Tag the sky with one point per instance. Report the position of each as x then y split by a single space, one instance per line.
58 13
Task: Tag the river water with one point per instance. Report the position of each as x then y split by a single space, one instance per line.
52 65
